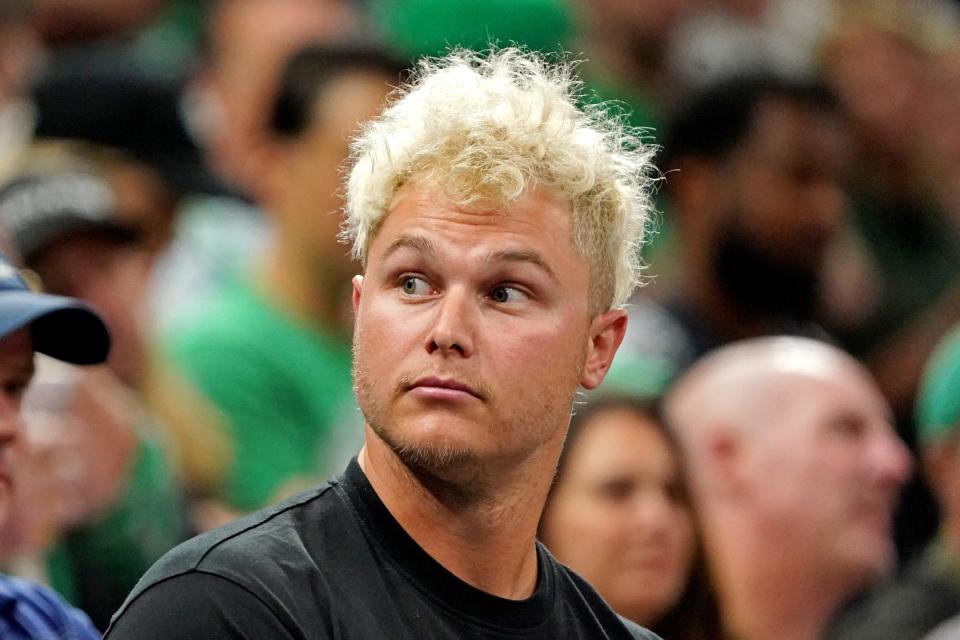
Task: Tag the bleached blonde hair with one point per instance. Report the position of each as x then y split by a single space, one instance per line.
485 128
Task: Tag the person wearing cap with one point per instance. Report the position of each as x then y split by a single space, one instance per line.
77 227
68 330
927 592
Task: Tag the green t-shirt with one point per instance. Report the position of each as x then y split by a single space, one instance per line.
284 390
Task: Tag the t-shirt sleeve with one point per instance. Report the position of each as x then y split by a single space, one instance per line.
197 605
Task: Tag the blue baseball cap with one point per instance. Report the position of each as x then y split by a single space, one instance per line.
62 328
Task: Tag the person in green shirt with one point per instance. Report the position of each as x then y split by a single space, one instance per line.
271 352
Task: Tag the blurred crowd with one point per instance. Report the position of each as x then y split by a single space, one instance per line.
177 165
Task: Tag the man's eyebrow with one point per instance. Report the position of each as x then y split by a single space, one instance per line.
426 246
416 243
530 257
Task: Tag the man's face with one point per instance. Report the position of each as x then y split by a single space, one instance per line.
16 370
472 331
826 469
780 205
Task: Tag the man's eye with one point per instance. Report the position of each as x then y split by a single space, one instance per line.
414 286
504 294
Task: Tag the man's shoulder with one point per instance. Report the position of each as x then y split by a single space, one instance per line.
247 550
277 566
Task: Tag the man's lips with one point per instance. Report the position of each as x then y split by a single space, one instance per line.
443 389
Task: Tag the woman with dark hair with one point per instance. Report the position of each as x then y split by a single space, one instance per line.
618 515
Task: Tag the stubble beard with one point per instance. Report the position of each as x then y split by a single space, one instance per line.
458 471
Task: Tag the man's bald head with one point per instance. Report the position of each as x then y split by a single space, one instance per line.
746 381
790 439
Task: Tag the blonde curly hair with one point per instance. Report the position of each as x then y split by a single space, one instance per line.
486 127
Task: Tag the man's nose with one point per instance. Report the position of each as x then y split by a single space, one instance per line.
892 459
453 325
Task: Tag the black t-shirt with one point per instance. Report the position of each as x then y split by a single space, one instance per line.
333 563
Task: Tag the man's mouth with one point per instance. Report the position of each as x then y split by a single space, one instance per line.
436 388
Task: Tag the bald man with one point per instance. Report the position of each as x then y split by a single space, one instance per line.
795 471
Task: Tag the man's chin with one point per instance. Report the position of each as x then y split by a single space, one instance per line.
874 560
435 456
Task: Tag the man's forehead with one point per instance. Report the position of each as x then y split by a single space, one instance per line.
536 209
803 402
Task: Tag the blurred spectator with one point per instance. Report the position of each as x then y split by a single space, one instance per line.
63 329
794 469
247 46
928 592
889 63
755 170
226 106
618 514
66 218
272 352
883 61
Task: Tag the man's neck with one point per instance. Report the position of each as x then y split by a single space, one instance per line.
769 595
485 540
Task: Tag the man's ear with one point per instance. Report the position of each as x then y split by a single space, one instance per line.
606 334
723 448
357 288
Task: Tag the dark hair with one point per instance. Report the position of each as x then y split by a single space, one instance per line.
583 416
310 71
712 121
695 615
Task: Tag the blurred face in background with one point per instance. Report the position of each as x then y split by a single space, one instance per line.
618 514
824 469
250 41
305 191
879 77
780 205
